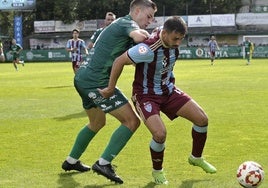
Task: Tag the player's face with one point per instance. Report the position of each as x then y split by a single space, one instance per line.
173 39
75 34
144 16
109 20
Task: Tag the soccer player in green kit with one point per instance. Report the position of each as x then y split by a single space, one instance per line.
90 78
109 18
248 45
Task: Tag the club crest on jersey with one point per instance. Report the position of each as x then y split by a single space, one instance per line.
142 50
148 107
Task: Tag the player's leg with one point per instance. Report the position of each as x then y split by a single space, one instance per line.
149 112
248 58
74 66
86 134
2 57
129 123
96 121
194 113
157 147
15 64
212 57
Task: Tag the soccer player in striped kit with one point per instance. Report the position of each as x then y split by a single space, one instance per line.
213 46
75 46
154 91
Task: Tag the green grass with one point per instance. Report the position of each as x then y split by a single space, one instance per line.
41 114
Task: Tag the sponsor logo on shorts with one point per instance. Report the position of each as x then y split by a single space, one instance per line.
117 103
92 95
105 108
112 97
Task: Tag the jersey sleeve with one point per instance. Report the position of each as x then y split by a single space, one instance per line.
83 44
68 45
141 53
128 24
95 35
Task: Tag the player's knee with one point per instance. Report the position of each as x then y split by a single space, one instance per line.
202 121
133 123
160 136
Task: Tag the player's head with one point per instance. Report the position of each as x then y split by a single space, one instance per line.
109 18
13 41
142 12
75 33
173 32
212 37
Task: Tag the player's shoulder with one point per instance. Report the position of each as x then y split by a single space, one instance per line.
81 40
126 21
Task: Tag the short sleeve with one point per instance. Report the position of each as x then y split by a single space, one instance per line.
141 53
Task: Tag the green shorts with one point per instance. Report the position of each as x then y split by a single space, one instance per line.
91 98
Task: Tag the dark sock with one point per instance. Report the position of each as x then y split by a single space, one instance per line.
157 159
199 140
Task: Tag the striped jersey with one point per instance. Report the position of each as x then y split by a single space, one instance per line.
79 44
154 66
213 46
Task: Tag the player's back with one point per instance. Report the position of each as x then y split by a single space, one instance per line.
111 43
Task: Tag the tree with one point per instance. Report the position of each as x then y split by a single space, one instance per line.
68 11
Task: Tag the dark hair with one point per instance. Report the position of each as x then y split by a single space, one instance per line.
175 23
77 30
145 3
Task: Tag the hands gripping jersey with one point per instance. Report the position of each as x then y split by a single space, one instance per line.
78 44
112 42
154 66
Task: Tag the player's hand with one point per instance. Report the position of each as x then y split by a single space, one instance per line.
106 92
145 33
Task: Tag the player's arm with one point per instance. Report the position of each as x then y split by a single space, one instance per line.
218 48
68 47
139 35
116 71
93 38
20 49
85 48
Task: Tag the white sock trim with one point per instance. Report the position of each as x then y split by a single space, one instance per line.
71 160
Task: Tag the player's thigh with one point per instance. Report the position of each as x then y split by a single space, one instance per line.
157 128
194 113
97 118
126 116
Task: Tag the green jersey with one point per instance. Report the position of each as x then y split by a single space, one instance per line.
113 41
94 37
15 49
247 45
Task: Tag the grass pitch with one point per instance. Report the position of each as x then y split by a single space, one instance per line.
41 114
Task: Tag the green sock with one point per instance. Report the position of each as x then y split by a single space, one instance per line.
82 140
117 142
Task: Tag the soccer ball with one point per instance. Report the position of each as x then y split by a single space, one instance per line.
250 174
